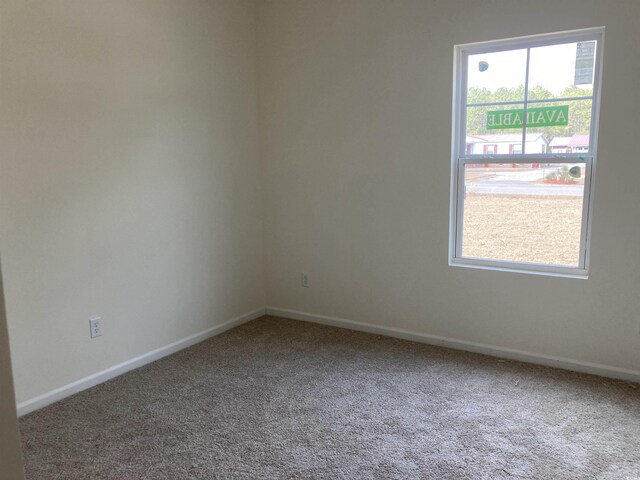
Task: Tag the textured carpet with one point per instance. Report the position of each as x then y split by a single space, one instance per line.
284 399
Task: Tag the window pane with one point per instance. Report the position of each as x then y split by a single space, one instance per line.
494 130
569 123
496 77
527 213
562 71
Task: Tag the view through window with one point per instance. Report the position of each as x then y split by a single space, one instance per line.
525 115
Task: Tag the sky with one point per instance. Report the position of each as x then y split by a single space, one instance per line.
553 67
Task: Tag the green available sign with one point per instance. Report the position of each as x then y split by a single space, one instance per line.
536 117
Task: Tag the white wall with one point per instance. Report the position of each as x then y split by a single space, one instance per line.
129 178
10 454
355 107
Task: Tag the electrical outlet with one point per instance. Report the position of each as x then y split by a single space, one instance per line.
95 325
304 280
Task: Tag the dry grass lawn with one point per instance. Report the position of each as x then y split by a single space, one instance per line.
537 229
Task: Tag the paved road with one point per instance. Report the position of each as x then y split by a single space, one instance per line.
524 188
520 183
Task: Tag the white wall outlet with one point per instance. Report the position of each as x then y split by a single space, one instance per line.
304 280
95 324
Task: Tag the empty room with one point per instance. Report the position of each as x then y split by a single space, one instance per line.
319 239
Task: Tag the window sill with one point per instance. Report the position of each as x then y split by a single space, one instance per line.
544 270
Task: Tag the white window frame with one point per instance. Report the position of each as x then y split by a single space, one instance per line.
459 157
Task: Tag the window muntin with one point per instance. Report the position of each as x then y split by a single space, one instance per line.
534 215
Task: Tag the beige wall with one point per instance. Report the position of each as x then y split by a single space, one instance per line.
129 178
355 105
10 455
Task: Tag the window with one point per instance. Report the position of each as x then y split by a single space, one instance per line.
521 200
490 149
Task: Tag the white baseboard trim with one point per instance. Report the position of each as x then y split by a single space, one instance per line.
494 351
48 398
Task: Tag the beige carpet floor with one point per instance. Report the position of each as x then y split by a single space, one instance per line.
278 399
